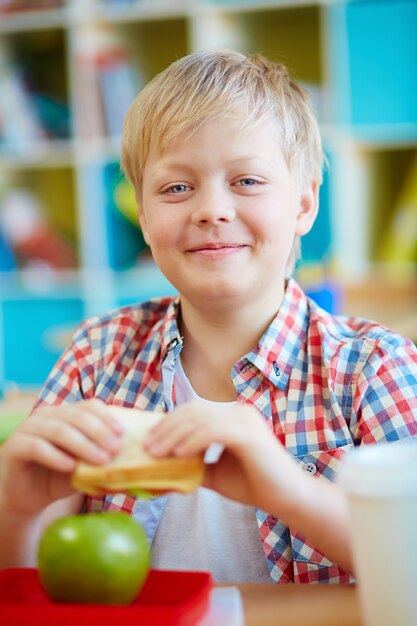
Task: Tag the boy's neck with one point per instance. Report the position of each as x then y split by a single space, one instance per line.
215 340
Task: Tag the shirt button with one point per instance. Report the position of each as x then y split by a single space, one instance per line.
310 468
172 344
276 369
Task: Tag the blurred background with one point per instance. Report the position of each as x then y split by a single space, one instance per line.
70 246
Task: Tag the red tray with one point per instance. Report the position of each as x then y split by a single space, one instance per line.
168 598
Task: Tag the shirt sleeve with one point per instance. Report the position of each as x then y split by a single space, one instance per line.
72 378
385 399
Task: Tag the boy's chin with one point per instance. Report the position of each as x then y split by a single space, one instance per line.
220 295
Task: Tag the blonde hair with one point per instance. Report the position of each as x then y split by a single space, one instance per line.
219 83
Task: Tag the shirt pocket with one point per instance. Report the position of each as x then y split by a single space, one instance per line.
323 464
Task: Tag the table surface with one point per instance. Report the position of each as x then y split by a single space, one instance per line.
296 605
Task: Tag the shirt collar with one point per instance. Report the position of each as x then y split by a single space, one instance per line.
171 340
279 346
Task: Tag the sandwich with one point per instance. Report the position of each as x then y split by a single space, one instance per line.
133 470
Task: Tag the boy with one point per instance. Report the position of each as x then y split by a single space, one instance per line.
226 159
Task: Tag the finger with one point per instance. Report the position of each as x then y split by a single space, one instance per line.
98 424
92 419
183 437
94 407
237 433
104 411
163 441
187 431
62 434
193 427
198 442
30 448
187 416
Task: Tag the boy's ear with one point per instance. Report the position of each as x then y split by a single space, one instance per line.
142 218
308 208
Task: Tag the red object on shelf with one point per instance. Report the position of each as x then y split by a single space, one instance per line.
168 598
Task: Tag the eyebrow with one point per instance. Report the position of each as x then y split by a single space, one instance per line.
170 165
164 168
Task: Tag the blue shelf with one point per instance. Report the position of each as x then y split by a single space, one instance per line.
383 61
143 283
374 66
35 331
316 246
35 328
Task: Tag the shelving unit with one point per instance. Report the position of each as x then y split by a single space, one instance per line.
358 58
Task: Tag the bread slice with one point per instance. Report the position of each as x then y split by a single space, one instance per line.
134 469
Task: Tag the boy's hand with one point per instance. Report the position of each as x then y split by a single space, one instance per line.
253 468
37 460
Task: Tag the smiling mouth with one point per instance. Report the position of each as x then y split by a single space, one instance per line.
216 251
213 247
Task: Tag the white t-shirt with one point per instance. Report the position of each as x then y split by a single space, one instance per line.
205 531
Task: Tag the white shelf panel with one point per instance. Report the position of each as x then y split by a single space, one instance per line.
263 5
142 11
28 21
43 154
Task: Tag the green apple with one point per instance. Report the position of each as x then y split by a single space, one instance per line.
94 558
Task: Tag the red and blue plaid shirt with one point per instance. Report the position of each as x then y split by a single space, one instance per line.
324 383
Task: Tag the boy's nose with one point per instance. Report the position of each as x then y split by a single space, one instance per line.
213 208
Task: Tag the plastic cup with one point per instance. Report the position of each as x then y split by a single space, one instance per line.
381 483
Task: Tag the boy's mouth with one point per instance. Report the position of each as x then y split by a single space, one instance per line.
216 250
215 246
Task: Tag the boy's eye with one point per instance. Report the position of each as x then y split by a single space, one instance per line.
247 182
179 188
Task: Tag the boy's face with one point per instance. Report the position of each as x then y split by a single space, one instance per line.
220 211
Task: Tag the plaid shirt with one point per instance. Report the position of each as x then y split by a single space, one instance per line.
324 383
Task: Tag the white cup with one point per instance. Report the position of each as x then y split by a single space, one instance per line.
381 483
